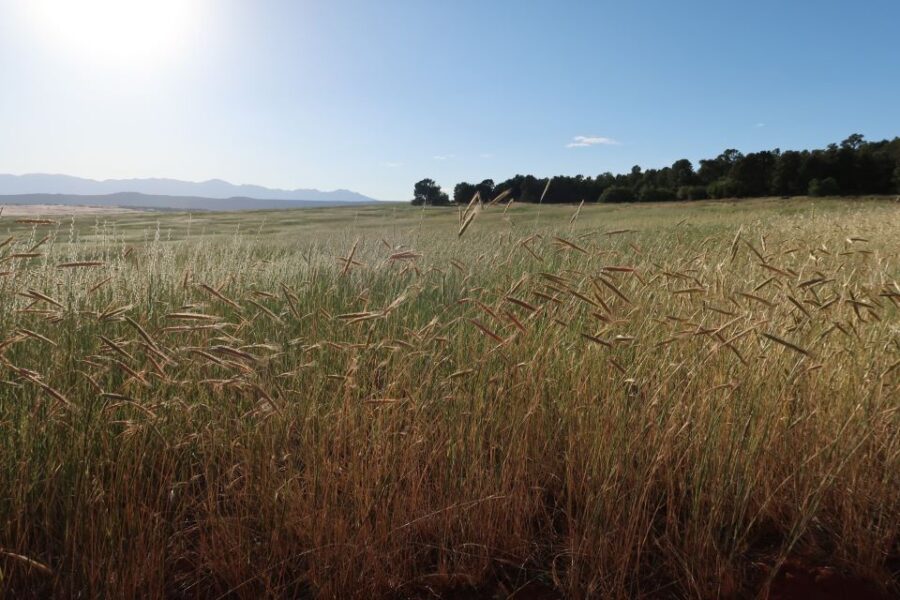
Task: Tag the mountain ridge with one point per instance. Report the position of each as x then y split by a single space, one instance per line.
50 183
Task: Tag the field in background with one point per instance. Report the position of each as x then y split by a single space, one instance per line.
56 210
666 401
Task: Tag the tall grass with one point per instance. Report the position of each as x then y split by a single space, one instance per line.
610 410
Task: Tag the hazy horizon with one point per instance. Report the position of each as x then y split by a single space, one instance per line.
61 183
350 95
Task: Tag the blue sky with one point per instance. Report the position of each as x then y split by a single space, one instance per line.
373 96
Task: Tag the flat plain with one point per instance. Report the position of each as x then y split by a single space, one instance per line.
679 400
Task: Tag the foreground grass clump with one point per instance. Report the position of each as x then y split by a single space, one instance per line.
664 401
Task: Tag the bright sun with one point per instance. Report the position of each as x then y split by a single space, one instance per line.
124 32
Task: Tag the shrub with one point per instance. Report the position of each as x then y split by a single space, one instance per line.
656 194
617 193
825 187
692 192
724 188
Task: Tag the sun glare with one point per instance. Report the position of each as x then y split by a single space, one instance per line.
123 32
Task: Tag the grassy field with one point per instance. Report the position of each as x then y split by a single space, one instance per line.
641 401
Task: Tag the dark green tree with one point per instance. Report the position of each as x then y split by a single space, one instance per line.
655 194
429 193
617 193
853 142
753 173
714 169
464 192
486 189
634 179
692 192
724 188
787 176
825 187
682 173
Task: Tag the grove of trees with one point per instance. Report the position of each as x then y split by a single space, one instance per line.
853 167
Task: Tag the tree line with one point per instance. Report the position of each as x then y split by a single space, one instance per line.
853 167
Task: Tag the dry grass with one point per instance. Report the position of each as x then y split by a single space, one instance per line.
612 409
58 210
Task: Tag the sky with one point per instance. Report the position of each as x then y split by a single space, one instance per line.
373 96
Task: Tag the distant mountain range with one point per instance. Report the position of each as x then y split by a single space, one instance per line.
214 194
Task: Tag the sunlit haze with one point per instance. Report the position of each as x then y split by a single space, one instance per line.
126 32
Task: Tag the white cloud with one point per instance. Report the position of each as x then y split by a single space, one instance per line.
760 125
583 141
393 165
444 156
486 155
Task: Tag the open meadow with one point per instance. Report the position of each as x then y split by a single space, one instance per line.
678 400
